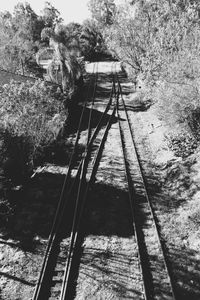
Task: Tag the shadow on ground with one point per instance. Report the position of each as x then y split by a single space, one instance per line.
184 263
75 115
107 214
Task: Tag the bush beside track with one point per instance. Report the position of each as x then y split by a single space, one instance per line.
31 117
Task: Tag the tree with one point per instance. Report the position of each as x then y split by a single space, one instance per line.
103 11
8 54
64 68
26 36
51 15
21 37
91 40
148 37
160 43
20 34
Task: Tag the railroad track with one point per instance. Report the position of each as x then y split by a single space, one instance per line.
57 269
157 281
60 268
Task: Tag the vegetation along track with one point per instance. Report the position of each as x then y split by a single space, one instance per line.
57 269
148 272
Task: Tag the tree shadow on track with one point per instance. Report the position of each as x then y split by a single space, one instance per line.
186 272
184 262
16 279
107 221
108 270
75 115
107 215
33 206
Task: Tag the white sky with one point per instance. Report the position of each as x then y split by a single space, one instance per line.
70 10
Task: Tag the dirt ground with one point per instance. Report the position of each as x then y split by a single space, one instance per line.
173 186
107 269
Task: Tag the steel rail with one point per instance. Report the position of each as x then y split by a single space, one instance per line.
94 134
92 138
52 236
89 145
113 70
91 110
147 196
77 216
131 195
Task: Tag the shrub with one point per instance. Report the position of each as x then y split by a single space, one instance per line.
159 41
182 143
30 119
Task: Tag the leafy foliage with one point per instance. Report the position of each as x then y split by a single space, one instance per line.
24 33
70 44
64 69
103 11
91 40
30 119
183 144
20 37
51 15
148 34
159 42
